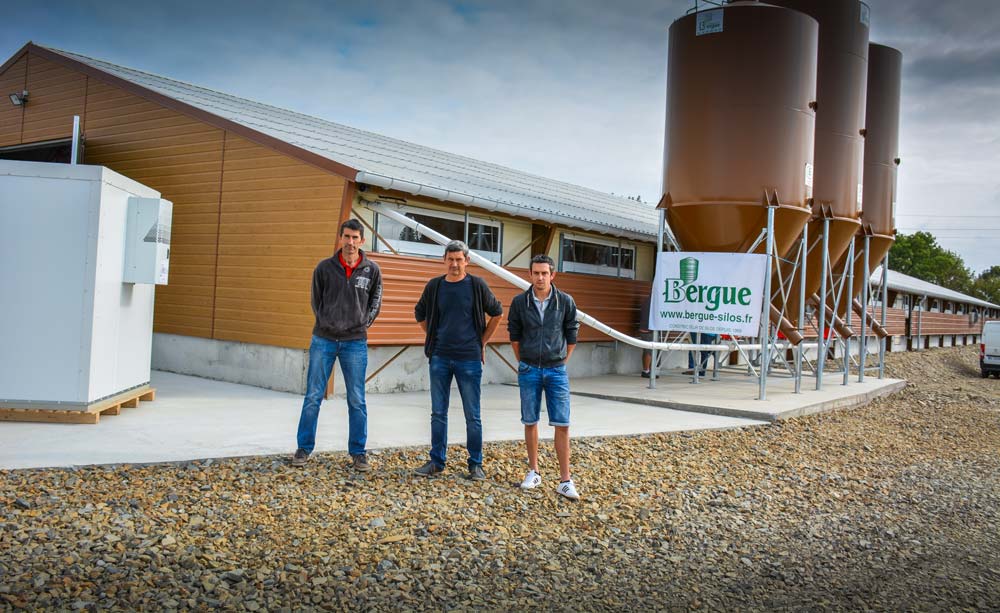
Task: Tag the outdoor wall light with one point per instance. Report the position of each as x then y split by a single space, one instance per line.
19 99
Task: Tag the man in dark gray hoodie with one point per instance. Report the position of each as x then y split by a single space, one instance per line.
543 332
346 298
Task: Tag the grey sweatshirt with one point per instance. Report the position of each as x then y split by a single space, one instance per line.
345 307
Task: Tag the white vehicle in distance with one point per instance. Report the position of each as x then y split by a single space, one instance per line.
989 350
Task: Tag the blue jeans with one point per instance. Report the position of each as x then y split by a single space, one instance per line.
554 382
700 338
353 363
469 375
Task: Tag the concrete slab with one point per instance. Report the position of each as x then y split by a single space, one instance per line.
734 395
194 418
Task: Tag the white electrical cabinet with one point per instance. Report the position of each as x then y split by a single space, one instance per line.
147 241
81 249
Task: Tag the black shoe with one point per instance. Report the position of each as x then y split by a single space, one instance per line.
300 457
644 374
430 469
476 473
360 463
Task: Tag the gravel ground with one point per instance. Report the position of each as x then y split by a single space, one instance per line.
893 506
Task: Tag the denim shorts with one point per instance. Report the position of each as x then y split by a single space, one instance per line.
554 382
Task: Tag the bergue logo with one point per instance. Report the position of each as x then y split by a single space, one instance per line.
684 287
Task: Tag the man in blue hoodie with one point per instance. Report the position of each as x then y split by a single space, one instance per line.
543 329
346 299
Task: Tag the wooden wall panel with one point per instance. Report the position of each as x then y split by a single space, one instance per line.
56 94
182 159
932 324
895 320
279 218
895 323
12 80
613 301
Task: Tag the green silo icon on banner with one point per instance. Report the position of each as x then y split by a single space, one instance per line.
689 270
673 288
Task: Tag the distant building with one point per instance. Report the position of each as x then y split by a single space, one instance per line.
259 193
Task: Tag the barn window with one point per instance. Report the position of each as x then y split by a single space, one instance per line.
597 256
57 151
483 236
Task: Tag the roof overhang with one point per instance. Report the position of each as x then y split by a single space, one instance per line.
490 205
187 109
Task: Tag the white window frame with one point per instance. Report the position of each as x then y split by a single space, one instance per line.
596 269
437 251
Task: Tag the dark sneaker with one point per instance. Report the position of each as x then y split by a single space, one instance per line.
300 457
476 473
430 469
360 463
644 374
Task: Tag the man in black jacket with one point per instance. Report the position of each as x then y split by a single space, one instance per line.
543 329
346 298
452 312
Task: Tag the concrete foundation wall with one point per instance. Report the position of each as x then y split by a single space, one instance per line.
409 372
276 368
284 369
928 341
872 342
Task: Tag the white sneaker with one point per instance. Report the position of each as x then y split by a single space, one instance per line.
531 480
567 489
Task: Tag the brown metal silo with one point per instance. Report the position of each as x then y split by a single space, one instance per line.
739 126
881 160
842 76
885 67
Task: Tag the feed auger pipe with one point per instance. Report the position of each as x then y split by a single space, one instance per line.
516 281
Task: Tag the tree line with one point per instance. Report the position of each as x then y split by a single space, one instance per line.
920 256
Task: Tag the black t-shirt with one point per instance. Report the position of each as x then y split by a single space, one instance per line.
456 337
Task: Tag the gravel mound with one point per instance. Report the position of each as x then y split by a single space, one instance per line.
892 506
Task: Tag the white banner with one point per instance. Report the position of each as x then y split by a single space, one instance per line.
719 293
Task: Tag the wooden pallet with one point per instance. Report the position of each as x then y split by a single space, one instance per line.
91 414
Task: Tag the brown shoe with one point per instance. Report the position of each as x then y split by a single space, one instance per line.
430 469
300 457
360 463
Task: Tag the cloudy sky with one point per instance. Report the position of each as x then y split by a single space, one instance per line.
569 89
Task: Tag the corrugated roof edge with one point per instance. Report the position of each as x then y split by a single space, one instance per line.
256 136
487 204
904 282
60 56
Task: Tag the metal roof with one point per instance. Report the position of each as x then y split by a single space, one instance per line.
912 285
396 164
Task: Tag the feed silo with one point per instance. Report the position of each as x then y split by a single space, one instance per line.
842 77
741 80
881 161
